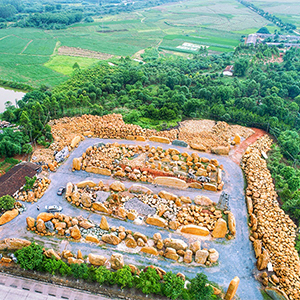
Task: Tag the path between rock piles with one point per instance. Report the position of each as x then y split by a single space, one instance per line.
236 256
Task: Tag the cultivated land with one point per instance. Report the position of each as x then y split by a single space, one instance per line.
26 54
288 10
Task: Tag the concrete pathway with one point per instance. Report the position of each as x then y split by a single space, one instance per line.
236 256
18 288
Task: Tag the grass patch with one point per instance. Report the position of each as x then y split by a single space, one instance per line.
64 64
157 124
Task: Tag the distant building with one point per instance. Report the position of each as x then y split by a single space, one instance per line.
252 38
12 181
228 71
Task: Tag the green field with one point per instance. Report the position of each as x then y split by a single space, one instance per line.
64 64
29 55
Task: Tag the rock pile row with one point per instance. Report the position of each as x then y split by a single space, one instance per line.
272 231
82 229
142 163
37 192
164 209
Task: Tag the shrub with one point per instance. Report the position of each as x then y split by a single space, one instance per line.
199 288
103 275
124 277
7 202
30 257
172 285
149 282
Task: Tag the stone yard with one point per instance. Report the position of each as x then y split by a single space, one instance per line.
158 203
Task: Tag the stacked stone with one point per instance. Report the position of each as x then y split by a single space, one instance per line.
39 188
272 231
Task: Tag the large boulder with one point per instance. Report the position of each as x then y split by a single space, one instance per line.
86 200
231 223
117 186
157 221
195 246
76 140
8 216
221 150
62 155
117 261
220 229
159 139
175 243
77 162
30 222
111 239
51 252
213 255
210 187
75 232
138 235
167 195
96 170
98 206
263 260
149 250
13 244
171 254
201 256
234 283
86 224
130 242
92 238
40 225
137 188
85 183
188 256
104 224
171 182
198 147
203 201
69 189
45 217
97 260
195 229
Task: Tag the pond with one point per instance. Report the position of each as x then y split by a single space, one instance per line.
9 95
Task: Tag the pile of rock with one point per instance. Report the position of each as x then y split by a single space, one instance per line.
37 192
272 231
81 229
142 163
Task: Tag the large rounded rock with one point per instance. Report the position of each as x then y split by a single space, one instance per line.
92 238
40 225
117 186
8 216
98 206
111 239
45 217
167 195
201 256
136 188
231 223
175 243
188 256
97 260
203 201
13 244
103 224
194 229
232 288
86 200
30 222
117 261
171 254
149 250
75 232
157 221
213 255
220 229
85 183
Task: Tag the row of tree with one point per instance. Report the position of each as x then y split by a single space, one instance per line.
272 18
148 281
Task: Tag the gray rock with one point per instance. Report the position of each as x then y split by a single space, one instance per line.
49 226
179 143
61 155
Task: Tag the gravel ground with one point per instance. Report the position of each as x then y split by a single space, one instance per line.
236 256
140 207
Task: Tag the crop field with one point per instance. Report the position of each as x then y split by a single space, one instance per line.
288 11
29 55
64 64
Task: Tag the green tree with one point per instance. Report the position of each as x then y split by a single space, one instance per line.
199 288
104 275
30 257
124 277
149 282
240 67
7 202
172 285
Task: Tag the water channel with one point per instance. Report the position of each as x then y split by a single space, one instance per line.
9 95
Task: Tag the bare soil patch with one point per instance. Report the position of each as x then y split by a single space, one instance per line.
71 51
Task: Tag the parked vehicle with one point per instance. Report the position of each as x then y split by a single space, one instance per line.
53 208
60 190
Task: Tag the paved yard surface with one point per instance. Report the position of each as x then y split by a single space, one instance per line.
236 256
12 288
